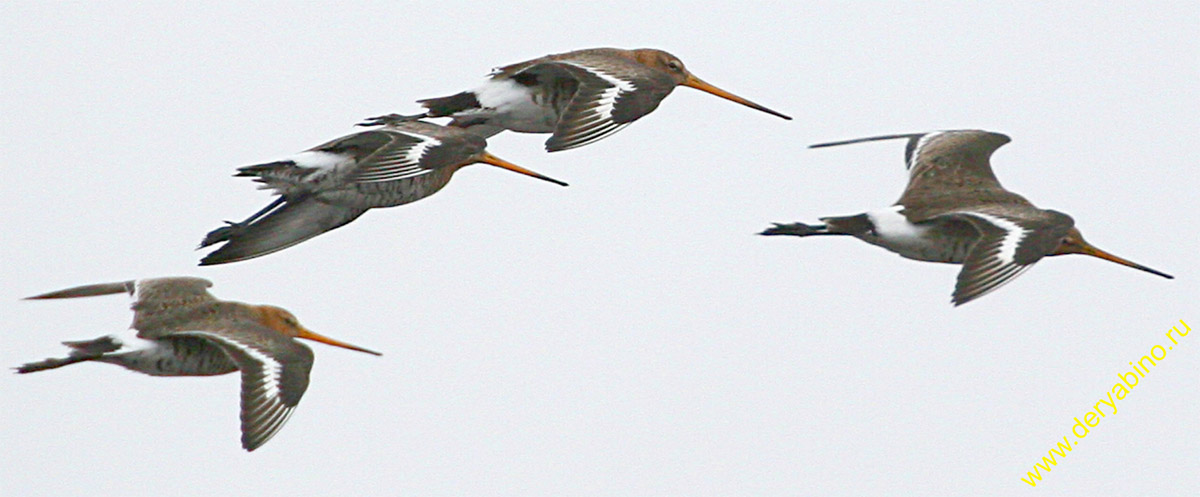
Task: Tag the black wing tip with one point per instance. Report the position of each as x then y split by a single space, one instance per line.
390 119
960 299
217 258
867 139
251 444
222 234
87 291
228 254
27 368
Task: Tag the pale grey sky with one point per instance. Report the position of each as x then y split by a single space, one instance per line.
628 335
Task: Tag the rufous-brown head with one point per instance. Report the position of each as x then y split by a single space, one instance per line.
284 322
671 65
1074 243
487 158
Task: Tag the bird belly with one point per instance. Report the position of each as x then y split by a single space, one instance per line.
920 242
388 193
176 356
516 107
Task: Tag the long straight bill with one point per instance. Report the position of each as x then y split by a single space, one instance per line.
1095 252
699 84
306 334
501 163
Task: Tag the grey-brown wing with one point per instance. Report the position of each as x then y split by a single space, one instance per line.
88 291
1006 247
949 162
162 292
406 151
171 291
275 373
610 94
157 302
162 304
944 163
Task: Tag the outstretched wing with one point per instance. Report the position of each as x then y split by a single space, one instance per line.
611 93
88 291
1006 247
293 223
951 161
155 300
401 151
945 164
274 376
159 302
406 154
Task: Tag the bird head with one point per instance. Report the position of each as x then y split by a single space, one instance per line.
1074 243
284 322
674 67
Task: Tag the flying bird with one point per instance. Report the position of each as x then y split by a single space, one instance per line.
332 184
579 96
182 330
955 211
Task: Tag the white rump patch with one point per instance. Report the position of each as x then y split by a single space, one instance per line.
316 159
894 232
502 94
130 342
892 226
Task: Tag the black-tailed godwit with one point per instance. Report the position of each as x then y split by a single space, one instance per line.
955 211
330 185
182 330
580 96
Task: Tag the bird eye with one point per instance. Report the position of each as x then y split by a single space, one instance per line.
674 65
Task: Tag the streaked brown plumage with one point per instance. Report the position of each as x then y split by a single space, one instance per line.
580 96
182 330
954 210
332 184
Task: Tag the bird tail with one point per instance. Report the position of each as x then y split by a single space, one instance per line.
793 229
460 106
848 225
295 221
85 350
448 106
282 176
